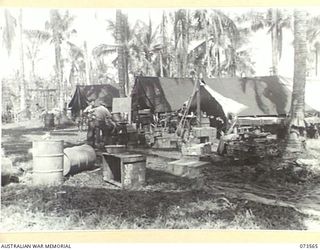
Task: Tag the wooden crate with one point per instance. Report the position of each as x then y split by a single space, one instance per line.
205 122
166 142
196 149
186 167
124 170
204 132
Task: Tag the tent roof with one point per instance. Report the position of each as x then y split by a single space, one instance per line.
261 95
254 96
161 94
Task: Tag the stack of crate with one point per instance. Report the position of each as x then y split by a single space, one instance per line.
166 141
205 122
204 134
253 147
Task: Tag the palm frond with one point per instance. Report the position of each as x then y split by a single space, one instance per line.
37 34
104 49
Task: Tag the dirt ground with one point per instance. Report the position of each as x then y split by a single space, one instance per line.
267 195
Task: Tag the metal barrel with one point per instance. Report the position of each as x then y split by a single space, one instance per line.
78 159
6 170
49 120
47 162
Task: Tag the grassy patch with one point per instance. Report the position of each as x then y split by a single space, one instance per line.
72 208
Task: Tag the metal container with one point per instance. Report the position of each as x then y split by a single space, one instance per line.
115 149
49 120
78 159
6 170
47 162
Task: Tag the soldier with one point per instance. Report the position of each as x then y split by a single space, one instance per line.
103 125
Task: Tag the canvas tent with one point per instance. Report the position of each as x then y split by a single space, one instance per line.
267 95
254 96
160 94
261 95
169 94
86 93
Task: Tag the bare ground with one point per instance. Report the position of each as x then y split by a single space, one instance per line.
267 195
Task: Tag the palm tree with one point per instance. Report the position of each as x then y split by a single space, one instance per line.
60 27
164 54
299 80
8 38
120 34
87 63
149 47
35 38
181 40
275 21
77 64
220 36
313 36
141 46
23 87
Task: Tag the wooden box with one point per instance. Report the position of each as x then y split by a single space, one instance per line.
190 168
166 142
196 149
204 132
124 170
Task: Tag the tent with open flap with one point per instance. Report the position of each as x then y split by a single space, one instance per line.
86 93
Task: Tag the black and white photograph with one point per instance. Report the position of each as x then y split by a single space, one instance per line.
160 118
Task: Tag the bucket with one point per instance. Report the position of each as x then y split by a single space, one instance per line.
49 120
47 162
78 159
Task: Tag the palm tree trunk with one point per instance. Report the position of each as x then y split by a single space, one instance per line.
182 47
59 75
274 42
317 59
87 62
208 68
22 80
218 62
33 71
299 80
161 64
121 53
